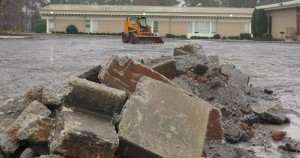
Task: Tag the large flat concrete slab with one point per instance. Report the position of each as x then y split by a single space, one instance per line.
164 120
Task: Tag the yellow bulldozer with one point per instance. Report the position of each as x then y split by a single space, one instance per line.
136 31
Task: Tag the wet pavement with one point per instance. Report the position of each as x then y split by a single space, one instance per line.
50 59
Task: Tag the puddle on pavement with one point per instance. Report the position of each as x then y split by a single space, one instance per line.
292 129
262 151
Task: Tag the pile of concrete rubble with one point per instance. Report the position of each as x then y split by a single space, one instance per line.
188 105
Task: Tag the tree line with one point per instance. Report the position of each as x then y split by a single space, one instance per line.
23 15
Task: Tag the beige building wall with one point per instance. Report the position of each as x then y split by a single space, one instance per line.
163 28
281 19
179 27
62 24
111 26
226 28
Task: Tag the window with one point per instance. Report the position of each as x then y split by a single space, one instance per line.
190 27
155 26
201 27
133 21
87 26
246 27
213 27
95 26
51 25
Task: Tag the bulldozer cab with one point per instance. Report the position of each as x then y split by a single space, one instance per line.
141 22
136 30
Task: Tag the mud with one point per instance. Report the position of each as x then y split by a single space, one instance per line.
45 60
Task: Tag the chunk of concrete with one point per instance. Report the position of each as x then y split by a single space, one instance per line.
214 126
34 94
164 120
53 96
8 141
188 49
35 129
84 134
94 96
124 73
235 75
164 65
271 111
188 56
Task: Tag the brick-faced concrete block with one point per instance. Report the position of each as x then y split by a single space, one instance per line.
84 134
164 65
164 120
8 140
214 127
35 129
124 73
94 96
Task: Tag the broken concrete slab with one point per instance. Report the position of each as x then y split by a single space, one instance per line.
8 141
188 56
34 94
214 126
84 134
94 96
35 129
53 96
183 63
188 50
235 75
124 73
164 65
271 111
163 123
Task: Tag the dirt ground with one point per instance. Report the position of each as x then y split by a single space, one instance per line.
50 59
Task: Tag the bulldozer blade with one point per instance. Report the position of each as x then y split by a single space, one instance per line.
149 39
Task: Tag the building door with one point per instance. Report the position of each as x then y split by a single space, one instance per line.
298 21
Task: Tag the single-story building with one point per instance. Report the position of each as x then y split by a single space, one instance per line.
189 21
283 19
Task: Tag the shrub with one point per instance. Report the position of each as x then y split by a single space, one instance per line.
216 36
170 35
267 36
183 37
224 37
40 28
71 29
246 36
259 23
60 32
199 37
234 37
